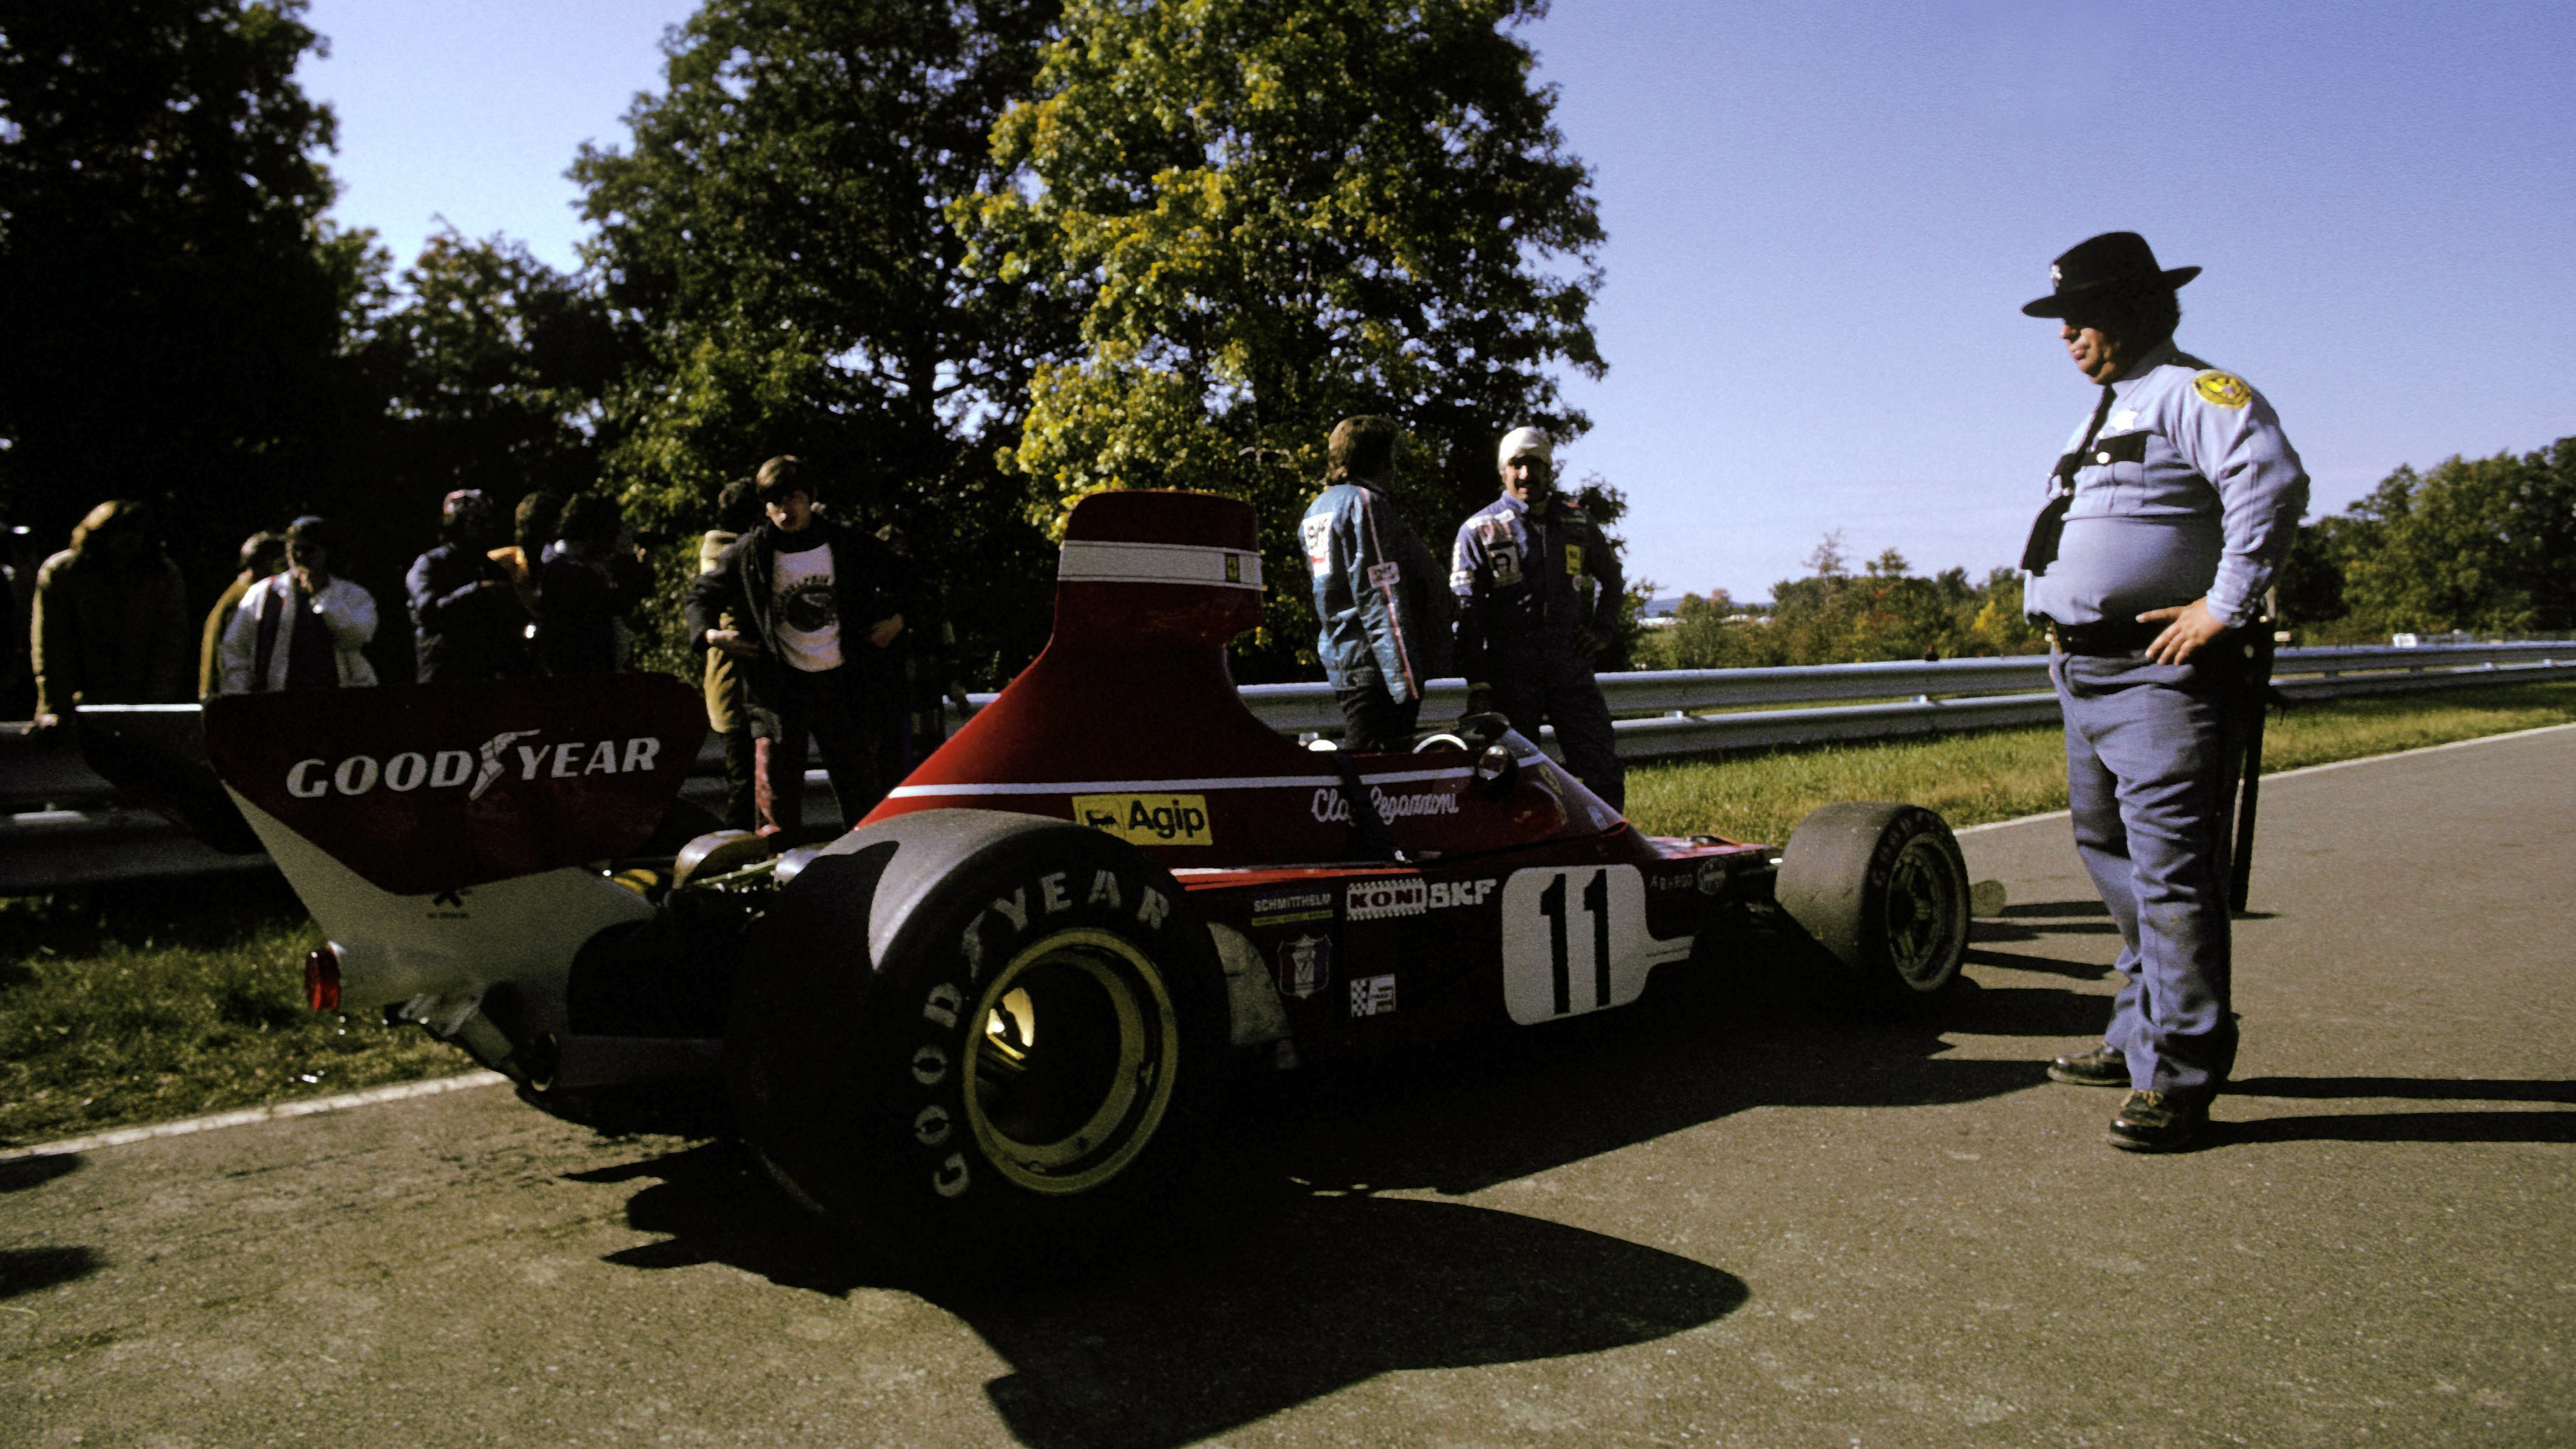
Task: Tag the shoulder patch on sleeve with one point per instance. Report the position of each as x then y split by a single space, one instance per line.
2222 389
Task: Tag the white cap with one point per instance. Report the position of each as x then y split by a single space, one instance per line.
1521 441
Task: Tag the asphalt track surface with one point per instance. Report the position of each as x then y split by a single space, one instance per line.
1721 1220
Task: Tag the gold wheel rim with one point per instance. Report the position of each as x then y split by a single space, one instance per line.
1098 1103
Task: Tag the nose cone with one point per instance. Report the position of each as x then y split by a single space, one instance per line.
1186 564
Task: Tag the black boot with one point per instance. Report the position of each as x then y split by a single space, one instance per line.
2154 1122
2101 1067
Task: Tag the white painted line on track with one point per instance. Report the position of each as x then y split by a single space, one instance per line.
247 1115
2016 820
2270 776
2419 750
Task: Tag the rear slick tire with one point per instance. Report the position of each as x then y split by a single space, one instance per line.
1881 887
1037 1053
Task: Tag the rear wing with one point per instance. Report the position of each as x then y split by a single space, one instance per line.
437 833
431 787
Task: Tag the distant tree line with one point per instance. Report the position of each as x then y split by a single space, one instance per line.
972 260
2486 545
1837 616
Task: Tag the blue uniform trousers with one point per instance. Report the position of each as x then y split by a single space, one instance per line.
1542 679
2152 752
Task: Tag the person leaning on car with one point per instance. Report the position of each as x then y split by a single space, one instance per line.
815 602
2168 516
1377 591
1538 596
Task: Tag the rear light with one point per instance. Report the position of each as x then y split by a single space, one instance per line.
322 978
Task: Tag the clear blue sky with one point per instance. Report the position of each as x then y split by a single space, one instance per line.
1823 220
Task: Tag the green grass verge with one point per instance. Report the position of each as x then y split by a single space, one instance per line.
146 1004
142 1004
2000 774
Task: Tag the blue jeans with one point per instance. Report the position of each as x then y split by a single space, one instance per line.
2152 752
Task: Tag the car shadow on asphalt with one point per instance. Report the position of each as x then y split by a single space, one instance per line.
21 1173
1492 1109
1308 1292
1994 930
28 1270
2051 965
2054 910
1292 1247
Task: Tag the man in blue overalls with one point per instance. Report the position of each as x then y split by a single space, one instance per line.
2167 518
1538 595
1377 591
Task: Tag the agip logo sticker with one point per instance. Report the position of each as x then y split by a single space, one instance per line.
1147 819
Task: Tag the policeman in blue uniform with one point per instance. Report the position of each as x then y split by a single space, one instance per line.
1377 590
2167 518
1538 596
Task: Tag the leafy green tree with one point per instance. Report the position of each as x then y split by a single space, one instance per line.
2484 544
494 368
1270 214
776 238
176 301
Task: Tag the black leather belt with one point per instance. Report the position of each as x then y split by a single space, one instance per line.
2111 636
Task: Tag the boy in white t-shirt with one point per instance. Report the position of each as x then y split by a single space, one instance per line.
815 605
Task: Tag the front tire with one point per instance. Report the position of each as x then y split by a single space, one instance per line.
1882 888
993 1040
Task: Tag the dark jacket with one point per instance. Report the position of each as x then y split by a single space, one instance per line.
105 636
1530 576
869 584
582 604
460 628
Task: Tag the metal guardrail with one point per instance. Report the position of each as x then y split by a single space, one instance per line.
65 827
1712 711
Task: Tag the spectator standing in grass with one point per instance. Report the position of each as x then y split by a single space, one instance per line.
1378 591
262 555
586 586
109 623
465 617
2167 518
728 709
302 629
817 604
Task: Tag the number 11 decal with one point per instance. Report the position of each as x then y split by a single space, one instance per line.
1596 904
1574 941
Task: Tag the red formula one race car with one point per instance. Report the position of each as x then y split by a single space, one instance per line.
998 1016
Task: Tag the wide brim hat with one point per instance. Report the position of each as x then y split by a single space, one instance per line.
2099 267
